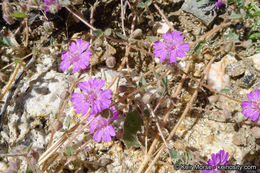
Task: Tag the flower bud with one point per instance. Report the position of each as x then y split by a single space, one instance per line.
111 62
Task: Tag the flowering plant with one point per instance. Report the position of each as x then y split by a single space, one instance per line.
100 125
171 48
93 96
78 55
252 107
220 158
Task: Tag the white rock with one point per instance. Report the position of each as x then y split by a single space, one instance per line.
44 98
217 77
3 167
164 27
256 59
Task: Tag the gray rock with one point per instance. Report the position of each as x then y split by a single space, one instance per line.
247 80
204 10
235 69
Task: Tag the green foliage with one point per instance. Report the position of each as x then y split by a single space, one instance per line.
98 32
198 47
175 156
18 15
147 113
108 31
69 151
132 124
258 48
255 36
29 169
52 41
142 82
67 122
224 90
121 36
145 4
187 157
5 41
163 82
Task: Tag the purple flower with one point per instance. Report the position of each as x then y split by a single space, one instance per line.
94 96
77 55
252 107
171 48
221 158
52 5
100 126
219 3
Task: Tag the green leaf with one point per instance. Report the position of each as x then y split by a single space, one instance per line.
198 47
98 32
255 36
153 38
258 48
56 116
121 36
232 35
141 5
175 156
18 15
132 124
67 122
29 169
224 90
236 16
187 157
142 82
108 31
148 3
5 41
52 40
163 82
69 150
147 113
257 13
16 60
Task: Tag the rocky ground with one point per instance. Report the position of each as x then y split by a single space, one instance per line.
213 122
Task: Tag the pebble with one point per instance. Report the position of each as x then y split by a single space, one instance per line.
247 80
240 138
161 27
235 69
3 167
217 77
256 59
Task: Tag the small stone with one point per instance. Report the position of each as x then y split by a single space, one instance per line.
235 69
161 27
217 77
198 69
256 132
3 167
147 98
247 80
239 140
256 59
111 61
